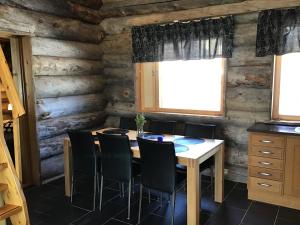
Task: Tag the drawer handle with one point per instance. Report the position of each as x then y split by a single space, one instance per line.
266 163
266 141
266 152
265 174
264 185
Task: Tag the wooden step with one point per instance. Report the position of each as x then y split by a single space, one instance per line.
3 166
8 211
3 187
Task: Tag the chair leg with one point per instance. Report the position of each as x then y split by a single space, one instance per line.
123 195
101 192
129 198
140 204
211 175
212 180
173 207
132 185
72 189
161 201
149 196
95 191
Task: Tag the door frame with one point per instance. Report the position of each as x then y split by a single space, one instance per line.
29 155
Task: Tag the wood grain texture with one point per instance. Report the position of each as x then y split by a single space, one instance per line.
131 7
248 99
292 177
211 11
49 108
93 4
57 126
250 76
69 49
59 8
43 25
52 146
57 86
57 66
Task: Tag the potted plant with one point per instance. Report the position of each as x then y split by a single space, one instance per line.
140 122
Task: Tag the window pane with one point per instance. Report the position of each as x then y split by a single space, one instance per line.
289 99
191 85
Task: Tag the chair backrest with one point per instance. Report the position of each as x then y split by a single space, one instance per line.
83 153
200 130
127 123
158 165
162 127
116 156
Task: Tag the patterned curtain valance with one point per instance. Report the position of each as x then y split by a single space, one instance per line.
205 39
278 32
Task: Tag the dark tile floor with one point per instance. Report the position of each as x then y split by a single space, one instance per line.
48 205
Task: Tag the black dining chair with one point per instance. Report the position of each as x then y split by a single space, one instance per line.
116 162
84 160
158 170
127 123
162 127
203 131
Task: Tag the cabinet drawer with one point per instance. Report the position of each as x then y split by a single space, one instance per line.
269 174
276 164
267 140
267 152
258 184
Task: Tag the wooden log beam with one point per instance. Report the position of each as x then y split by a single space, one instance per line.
49 108
211 11
69 49
93 4
52 146
245 56
133 7
39 24
42 65
59 8
248 99
250 76
58 86
57 126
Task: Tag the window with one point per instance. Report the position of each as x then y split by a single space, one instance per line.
286 91
187 87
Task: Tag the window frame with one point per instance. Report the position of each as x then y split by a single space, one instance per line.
155 78
276 93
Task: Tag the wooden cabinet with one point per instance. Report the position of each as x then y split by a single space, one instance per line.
292 167
274 169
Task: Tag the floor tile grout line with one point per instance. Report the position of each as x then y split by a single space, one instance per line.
276 217
214 214
86 214
229 192
246 213
112 218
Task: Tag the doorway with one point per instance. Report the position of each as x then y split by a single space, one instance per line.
21 132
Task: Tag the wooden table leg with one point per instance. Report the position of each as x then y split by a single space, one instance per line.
193 193
67 166
219 175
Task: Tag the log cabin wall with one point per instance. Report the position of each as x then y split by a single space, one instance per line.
248 86
67 68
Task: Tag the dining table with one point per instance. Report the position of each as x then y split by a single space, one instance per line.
190 152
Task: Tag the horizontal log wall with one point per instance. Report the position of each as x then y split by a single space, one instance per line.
248 86
69 80
67 68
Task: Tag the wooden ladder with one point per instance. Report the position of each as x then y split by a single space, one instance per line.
14 203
